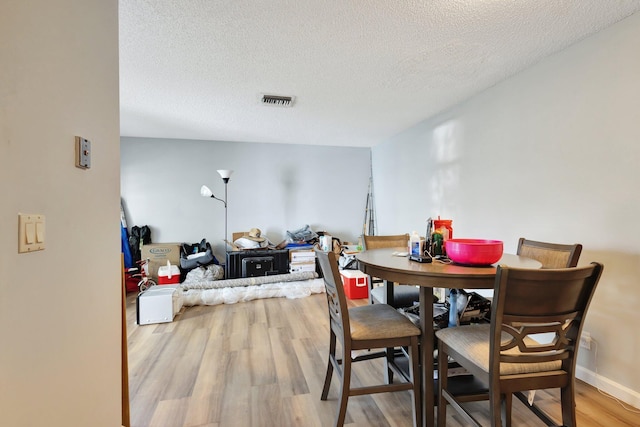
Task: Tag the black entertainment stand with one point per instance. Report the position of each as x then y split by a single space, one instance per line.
256 262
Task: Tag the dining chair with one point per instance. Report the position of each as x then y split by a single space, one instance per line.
551 255
503 355
403 295
368 327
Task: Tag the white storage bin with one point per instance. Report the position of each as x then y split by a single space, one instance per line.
158 304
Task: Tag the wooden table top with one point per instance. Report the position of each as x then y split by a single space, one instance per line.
383 264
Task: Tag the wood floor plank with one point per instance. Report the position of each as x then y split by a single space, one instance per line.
300 410
169 413
235 408
203 410
213 365
313 365
289 373
185 365
262 363
238 327
267 406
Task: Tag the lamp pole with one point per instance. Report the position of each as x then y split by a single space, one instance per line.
225 174
206 192
226 235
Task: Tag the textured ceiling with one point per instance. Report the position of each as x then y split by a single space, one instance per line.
361 71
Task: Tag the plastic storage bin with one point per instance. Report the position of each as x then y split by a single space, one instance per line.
158 304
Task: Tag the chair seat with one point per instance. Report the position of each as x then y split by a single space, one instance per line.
403 295
472 342
379 321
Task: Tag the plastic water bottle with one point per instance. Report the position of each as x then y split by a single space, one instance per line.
415 244
453 308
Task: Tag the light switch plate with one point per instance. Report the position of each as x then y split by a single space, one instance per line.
83 153
31 232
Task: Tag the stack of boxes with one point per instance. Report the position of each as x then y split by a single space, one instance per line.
303 259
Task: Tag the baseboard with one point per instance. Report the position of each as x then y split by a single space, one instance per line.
624 394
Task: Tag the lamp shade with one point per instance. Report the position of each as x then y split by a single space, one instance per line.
225 173
205 191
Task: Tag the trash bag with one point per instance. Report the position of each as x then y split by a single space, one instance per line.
304 234
139 236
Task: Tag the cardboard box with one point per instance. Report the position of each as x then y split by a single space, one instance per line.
158 304
302 255
356 284
297 267
158 255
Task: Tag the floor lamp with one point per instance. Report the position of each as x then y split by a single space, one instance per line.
225 174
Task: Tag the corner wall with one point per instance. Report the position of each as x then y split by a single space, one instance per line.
551 154
60 308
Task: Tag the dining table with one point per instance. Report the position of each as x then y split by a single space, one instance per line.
393 266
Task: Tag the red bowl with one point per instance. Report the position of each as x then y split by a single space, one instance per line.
474 251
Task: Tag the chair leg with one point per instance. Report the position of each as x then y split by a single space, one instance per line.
415 375
568 402
332 356
345 386
495 408
505 411
442 385
388 374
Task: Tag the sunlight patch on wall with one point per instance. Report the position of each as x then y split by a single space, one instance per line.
444 182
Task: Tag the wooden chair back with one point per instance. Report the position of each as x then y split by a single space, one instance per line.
388 241
403 296
551 255
507 355
530 302
336 298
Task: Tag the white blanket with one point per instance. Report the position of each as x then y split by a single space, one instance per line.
232 295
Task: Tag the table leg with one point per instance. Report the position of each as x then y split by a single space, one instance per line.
426 354
388 292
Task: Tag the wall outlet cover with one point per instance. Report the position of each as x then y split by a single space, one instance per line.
83 153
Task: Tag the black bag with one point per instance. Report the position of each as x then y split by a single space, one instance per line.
204 248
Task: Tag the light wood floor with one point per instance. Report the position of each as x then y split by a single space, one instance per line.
262 363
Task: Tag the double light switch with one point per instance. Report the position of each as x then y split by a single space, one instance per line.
30 232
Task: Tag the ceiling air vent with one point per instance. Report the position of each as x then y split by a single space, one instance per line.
277 100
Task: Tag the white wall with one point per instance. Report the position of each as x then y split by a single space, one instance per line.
274 187
551 154
60 308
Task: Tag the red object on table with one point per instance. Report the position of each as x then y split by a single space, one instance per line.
474 251
439 224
